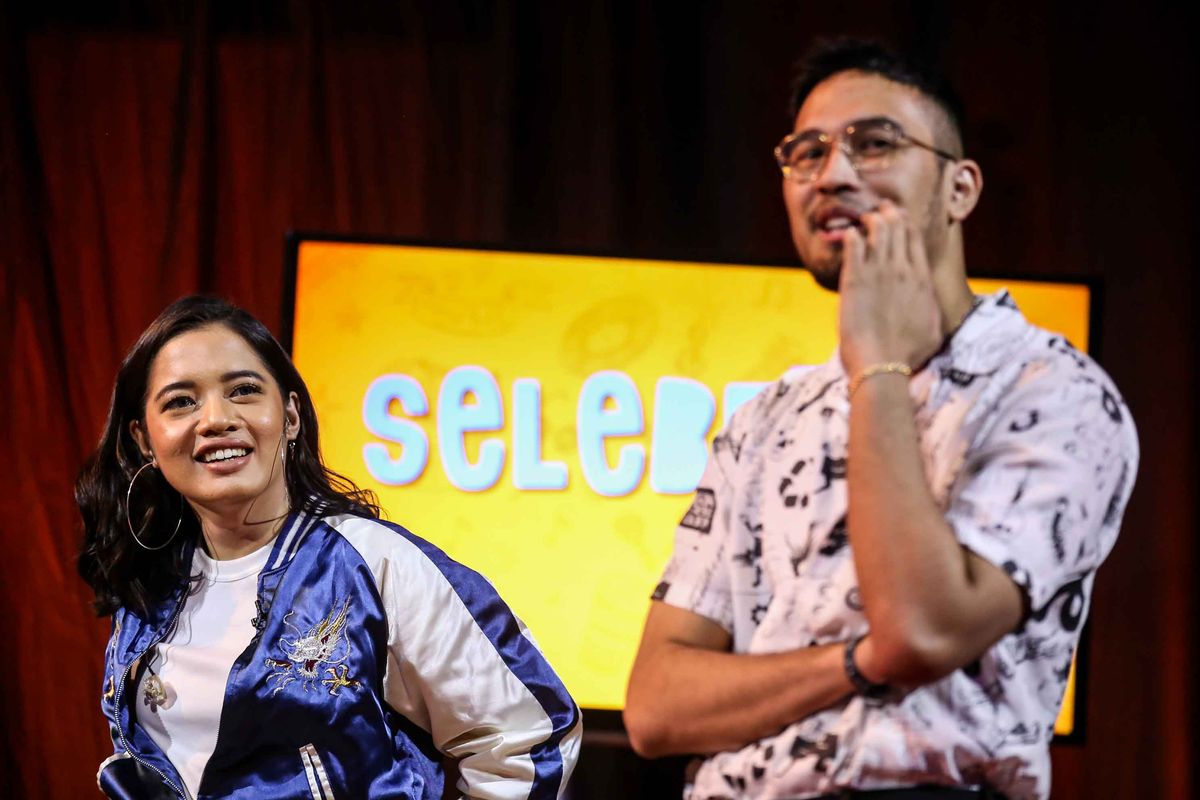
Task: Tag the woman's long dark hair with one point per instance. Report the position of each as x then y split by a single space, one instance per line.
121 572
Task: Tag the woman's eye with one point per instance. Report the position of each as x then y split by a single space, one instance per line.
245 389
178 401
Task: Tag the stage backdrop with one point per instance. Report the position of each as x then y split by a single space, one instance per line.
544 418
156 148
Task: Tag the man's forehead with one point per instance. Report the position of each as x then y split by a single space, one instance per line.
849 96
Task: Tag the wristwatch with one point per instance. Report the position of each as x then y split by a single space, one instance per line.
862 686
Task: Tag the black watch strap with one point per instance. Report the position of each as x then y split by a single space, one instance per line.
862 685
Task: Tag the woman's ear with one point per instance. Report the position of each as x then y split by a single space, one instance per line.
291 416
142 440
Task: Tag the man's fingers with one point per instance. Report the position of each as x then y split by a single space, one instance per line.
898 222
915 251
853 253
886 235
901 236
876 245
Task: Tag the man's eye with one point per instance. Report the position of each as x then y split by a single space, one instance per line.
875 144
806 154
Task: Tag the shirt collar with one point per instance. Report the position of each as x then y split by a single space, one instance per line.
995 310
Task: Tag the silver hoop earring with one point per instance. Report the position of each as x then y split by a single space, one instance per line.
129 522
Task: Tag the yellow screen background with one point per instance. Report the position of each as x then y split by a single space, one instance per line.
577 567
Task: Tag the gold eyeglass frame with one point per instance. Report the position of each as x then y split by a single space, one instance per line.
841 140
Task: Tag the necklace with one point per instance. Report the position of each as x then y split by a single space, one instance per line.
154 694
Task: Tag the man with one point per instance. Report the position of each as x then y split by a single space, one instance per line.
881 581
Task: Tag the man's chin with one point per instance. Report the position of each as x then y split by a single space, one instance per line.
827 276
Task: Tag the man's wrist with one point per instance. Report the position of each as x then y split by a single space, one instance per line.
853 655
877 369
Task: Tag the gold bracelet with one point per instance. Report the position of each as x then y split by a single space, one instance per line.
886 368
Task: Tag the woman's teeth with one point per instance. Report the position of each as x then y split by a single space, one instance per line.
223 455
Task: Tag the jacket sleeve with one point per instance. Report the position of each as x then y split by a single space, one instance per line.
108 687
461 665
107 777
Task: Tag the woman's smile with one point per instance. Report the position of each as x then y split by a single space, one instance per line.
217 424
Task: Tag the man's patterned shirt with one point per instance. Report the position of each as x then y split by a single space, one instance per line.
1030 452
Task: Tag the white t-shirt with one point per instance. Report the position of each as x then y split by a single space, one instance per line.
193 663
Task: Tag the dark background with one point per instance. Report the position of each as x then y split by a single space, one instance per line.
151 149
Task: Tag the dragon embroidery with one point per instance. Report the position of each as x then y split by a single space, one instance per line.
321 650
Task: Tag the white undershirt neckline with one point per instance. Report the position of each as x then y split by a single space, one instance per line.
193 662
233 569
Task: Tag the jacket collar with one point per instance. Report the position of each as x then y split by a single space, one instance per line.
295 529
138 637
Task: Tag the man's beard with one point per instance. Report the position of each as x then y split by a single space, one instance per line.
828 276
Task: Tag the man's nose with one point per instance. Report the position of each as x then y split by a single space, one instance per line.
837 172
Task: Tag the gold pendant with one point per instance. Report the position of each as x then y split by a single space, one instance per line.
155 694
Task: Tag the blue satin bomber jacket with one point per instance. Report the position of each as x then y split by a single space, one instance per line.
373 652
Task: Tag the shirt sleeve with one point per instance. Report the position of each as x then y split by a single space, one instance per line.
468 671
1043 494
696 578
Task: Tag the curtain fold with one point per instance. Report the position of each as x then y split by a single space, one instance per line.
139 167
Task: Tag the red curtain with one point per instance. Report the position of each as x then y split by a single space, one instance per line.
140 162
137 168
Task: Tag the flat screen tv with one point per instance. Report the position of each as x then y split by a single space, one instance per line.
544 417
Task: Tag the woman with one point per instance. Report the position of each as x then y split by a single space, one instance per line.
271 636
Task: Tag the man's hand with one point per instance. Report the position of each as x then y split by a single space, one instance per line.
932 606
888 310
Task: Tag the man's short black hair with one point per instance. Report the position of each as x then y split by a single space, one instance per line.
828 57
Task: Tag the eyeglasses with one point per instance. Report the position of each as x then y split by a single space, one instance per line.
870 144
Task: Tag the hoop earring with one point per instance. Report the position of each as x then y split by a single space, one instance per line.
129 522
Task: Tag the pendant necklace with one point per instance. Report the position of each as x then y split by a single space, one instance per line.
154 693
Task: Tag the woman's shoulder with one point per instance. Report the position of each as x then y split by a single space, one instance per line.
382 542
410 571
371 531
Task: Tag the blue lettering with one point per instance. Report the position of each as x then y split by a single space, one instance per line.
529 471
414 453
456 417
595 423
684 410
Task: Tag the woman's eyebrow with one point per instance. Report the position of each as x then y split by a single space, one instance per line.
170 387
226 378
241 373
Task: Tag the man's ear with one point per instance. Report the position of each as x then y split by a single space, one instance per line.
291 416
142 440
965 181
